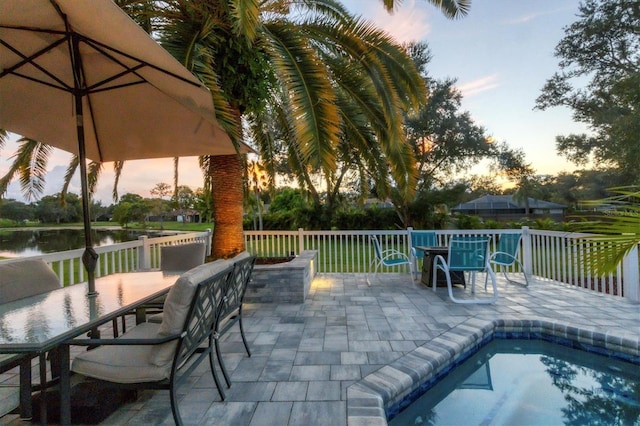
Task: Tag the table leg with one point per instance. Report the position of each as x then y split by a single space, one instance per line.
141 315
65 386
42 363
25 389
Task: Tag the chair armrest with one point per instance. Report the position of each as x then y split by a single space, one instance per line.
120 341
393 252
500 253
440 259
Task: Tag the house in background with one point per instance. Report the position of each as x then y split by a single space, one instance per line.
504 207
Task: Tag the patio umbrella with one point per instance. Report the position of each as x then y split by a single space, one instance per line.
85 78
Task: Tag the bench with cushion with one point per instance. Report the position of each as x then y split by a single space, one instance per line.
162 355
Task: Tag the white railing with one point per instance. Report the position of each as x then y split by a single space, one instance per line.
144 253
547 255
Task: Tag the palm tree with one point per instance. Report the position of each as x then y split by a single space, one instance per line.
333 84
323 77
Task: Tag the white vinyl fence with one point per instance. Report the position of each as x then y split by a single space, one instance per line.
141 254
545 255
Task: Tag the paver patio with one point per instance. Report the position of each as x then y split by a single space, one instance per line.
306 356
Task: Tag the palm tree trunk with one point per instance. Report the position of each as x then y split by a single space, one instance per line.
226 174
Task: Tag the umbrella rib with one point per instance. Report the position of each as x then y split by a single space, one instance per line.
30 60
105 49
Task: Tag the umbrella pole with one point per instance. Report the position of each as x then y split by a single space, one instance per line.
89 257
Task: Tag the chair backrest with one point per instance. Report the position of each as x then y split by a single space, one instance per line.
237 285
182 257
468 253
181 298
203 312
376 246
26 278
422 239
507 250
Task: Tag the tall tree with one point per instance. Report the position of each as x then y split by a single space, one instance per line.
602 48
320 74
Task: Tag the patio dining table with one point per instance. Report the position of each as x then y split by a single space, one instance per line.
39 324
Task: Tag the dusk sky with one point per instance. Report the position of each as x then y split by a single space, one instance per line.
501 55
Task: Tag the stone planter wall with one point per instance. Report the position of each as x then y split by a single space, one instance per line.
287 282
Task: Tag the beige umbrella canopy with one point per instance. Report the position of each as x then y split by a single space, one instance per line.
85 78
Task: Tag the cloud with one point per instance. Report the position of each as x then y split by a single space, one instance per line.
480 85
532 16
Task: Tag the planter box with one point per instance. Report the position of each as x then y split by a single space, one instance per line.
287 282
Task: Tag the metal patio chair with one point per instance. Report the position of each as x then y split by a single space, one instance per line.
466 254
420 239
387 258
506 256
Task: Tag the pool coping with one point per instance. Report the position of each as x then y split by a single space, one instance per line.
369 399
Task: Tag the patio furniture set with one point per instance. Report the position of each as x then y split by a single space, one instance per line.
199 305
447 265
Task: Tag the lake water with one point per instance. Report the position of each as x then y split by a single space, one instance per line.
40 241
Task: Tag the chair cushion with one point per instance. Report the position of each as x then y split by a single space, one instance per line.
26 278
240 256
182 257
176 306
126 363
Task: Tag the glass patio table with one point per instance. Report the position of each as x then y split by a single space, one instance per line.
40 324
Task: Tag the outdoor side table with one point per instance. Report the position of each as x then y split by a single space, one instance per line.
430 254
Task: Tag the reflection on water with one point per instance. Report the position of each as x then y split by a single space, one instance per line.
529 382
40 241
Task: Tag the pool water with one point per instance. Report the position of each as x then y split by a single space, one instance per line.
530 382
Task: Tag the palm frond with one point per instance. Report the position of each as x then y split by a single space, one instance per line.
4 136
312 112
93 174
71 170
617 231
450 8
30 165
246 15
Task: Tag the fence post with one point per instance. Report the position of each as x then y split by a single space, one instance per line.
301 239
631 275
527 258
209 241
144 253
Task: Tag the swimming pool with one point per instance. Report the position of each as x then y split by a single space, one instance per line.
530 382
382 393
